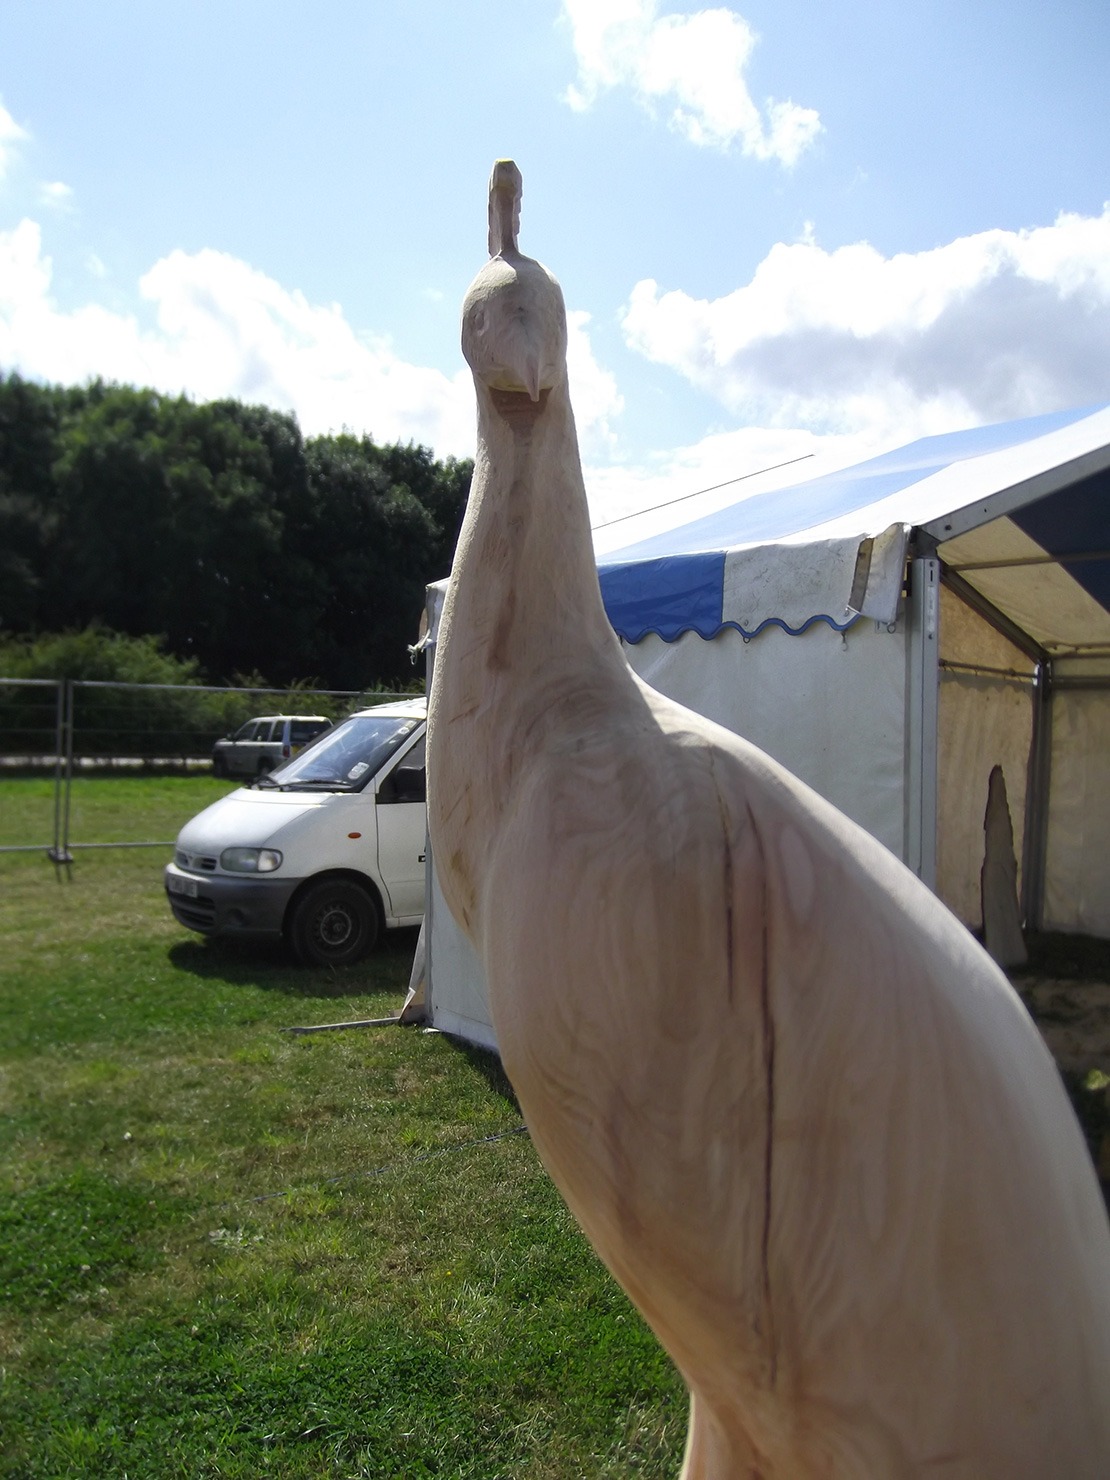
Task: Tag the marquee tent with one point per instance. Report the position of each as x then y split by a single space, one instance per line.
893 632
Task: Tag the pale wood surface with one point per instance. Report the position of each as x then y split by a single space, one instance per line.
998 879
800 1114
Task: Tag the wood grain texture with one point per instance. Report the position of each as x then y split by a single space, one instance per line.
799 1113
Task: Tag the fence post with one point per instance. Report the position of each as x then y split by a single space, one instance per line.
63 778
59 731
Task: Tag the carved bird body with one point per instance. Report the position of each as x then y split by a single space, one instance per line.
799 1113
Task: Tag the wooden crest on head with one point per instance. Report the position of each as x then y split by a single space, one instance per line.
506 185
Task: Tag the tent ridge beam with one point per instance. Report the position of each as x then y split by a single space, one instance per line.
950 665
1092 683
1027 491
1068 558
990 613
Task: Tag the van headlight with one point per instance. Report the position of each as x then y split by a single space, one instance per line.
250 860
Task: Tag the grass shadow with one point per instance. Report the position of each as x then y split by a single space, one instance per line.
488 1064
267 965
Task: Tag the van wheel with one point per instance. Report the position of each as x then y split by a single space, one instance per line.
332 924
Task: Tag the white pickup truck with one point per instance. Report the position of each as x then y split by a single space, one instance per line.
327 850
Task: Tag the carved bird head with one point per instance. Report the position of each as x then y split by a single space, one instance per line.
514 326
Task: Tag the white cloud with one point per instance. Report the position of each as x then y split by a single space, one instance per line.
227 329
223 329
694 65
24 274
997 325
218 327
56 193
593 389
11 136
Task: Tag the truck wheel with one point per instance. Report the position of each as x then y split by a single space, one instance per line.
333 923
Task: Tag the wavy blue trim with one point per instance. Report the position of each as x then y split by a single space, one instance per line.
673 636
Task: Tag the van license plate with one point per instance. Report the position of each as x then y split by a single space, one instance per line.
189 887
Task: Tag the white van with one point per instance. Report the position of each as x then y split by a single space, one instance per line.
326 850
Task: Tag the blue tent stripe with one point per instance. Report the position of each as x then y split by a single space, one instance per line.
668 596
792 631
1075 521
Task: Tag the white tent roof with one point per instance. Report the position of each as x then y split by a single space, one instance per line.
1020 511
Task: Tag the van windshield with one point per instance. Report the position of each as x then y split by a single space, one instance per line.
345 758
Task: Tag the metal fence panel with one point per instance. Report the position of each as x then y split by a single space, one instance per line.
32 724
68 730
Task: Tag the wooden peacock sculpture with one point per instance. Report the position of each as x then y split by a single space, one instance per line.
800 1114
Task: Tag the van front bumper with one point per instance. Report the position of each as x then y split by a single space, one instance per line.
217 904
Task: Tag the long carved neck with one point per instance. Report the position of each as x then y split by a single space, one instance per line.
546 504
524 640
525 602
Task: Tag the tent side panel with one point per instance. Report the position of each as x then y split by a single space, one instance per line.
1077 889
829 706
459 1002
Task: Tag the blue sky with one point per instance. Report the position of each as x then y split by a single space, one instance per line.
781 230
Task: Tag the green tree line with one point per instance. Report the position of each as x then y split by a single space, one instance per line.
246 548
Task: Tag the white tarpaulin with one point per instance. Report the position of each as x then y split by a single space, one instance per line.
1076 893
829 705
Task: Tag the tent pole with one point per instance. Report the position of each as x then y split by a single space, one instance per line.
1034 847
923 628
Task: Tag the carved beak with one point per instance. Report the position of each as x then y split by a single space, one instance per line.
531 377
524 364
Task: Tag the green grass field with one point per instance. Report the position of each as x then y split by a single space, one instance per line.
226 1250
